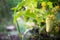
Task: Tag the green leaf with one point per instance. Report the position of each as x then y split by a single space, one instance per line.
29 14
14 8
50 4
20 5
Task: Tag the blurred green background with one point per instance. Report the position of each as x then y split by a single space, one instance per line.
6 13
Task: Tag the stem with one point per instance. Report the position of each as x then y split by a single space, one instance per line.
18 29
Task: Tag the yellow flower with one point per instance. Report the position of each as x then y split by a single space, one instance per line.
52 17
49 15
43 4
43 20
53 11
43 8
56 7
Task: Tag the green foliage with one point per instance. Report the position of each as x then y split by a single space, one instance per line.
32 11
